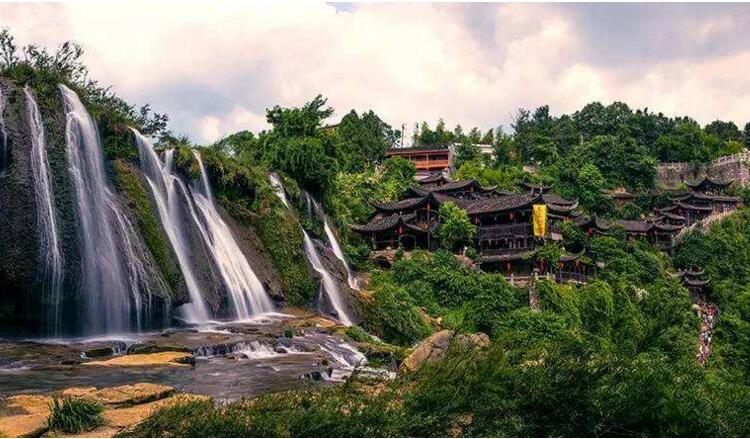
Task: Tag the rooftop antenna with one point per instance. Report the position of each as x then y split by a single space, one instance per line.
403 133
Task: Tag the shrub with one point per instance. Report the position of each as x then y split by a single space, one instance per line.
70 415
393 316
456 228
358 334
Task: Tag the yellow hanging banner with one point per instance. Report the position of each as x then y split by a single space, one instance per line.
540 220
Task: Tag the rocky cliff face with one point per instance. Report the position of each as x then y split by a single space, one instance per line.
18 251
267 234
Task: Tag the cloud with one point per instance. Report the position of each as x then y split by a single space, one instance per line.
216 67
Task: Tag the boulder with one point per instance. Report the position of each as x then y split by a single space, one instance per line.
436 346
153 348
432 348
477 339
105 351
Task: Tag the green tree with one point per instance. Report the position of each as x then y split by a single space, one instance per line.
298 147
466 151
364 140
724 131
456 227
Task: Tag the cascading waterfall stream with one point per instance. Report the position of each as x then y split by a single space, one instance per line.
3 137
164 185
49 245
114 276
329 284
335 246
247 294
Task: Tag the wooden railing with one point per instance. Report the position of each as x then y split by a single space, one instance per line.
431 164
504 231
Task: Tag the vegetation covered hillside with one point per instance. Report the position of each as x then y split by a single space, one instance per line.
613 357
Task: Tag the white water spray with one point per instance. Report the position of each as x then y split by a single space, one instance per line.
335 246
114 275
163 184
246 292
49 245
329 286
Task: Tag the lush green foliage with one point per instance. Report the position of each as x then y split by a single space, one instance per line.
73 415
352 198
455 226
724 252
245 192
43 70
613 358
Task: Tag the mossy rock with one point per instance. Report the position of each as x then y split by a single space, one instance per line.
130 185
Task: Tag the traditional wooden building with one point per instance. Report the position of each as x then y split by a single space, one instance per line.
708 186
426 160
504 220
695 280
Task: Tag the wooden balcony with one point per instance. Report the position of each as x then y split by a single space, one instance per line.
519 230
431 165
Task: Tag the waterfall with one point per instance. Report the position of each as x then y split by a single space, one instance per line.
49 245
3 137
246 292
163 184
114 275
334 242
329 285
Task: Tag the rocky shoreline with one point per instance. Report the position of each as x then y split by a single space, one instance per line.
223 361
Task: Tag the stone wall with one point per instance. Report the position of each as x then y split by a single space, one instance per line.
734 167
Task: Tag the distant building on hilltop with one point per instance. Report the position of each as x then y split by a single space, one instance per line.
427 160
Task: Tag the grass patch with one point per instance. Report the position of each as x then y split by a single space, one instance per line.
72 416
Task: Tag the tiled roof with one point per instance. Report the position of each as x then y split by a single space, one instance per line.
431 148
694 207
382 224
453 185
500 204
709 197
434 178
673 216
592 221
401 204
707 182
635 226
668 227
554 199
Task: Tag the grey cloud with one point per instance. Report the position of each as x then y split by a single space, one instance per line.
617 34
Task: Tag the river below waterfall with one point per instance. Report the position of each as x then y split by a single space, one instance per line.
232 360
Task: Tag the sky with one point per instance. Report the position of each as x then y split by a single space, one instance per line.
215 66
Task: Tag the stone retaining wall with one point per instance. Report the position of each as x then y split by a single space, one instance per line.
734 167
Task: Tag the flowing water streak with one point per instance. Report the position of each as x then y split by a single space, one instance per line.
330 286
246 292
3 137
114 275
49 245
163 185
335 246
